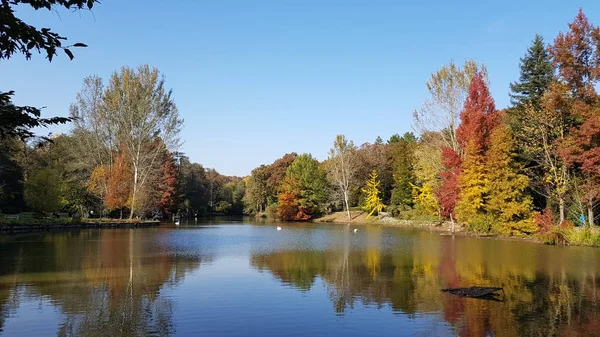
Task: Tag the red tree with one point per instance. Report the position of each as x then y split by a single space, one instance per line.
168 184
479 115
577 57
447 194
576 54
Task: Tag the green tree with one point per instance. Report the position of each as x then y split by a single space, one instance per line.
306 182
257 192
373 202
508 201
402 159
536 75
44 191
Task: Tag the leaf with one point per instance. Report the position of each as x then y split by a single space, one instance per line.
31 44
90 4
69 53
79 44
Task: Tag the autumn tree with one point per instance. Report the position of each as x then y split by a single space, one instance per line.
478 119
448 191
119 183
168 184
145 120
373 202
427 168
341 166
276 173
508 201
448 88
306 182
16 36
576 55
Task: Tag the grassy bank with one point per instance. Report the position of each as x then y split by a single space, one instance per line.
26 222
574 236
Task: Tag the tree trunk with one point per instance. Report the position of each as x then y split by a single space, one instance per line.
121 216
590 208
346 201
561 207
133 194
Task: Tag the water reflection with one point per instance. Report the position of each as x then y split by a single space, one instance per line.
104 283
550 291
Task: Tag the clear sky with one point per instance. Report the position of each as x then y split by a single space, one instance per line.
257 79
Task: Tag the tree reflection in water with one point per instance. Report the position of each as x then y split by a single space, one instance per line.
106 283
549 290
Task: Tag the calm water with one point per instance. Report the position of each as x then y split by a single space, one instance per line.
237 278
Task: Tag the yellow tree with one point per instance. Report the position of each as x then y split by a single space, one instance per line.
373 202
470 209
508 201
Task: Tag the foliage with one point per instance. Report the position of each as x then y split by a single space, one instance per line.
118 186
474 189
146 121
44 191
402 161
427 166
448 88
479 116
373 203
16 36
536 74
447 194
508 201
303 190
168 184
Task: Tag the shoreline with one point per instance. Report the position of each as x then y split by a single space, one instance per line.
16 228
444 228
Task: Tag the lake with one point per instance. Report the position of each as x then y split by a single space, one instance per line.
237 277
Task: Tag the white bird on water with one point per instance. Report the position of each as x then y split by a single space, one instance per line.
355 230
278 228
177 223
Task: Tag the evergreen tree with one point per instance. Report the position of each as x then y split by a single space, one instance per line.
508 202
402 158
537 72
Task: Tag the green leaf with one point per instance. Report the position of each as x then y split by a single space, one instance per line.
68 52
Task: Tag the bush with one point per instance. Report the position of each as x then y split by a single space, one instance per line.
271 211
481 223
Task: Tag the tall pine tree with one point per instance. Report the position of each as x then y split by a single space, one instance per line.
537 72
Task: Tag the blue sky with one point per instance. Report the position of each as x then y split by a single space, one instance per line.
257 79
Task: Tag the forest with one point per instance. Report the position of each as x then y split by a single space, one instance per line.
531 168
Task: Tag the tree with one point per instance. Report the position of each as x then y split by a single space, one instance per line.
448 88
373 201
474 189
576 55
305 181
168 184
536 75
479 116
402 159
427 168
119 183
16 36
276 173
508 201
43 191
447 194
146 121
341 166
540 142
257 192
